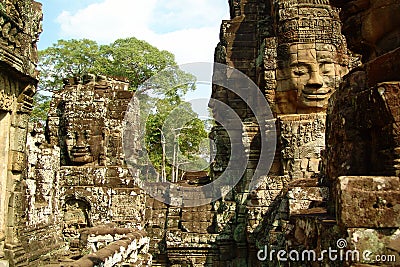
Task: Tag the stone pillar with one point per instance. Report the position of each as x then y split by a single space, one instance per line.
20 23
5 123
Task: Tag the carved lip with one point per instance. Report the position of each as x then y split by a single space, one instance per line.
315 95
80 152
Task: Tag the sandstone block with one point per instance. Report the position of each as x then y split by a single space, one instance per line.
369 201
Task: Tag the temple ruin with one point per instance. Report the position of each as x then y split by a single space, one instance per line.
68 197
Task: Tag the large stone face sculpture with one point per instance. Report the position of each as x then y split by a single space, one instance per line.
311 56
86 122
294 51
307 78
303 67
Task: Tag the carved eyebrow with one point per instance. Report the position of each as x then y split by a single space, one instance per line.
324 56
326 60
299 63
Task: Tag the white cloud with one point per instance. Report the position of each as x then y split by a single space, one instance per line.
189 29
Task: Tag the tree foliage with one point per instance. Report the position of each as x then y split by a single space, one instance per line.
136 61
41 104
133 59
66 59
183 133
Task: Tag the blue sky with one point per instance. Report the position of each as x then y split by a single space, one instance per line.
187 28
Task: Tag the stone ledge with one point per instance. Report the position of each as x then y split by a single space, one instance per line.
115 252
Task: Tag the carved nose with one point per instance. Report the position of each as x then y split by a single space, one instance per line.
79 141
315 80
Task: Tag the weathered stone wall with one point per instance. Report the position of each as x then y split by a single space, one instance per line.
312 196
20 23
362 155
86 122
78 182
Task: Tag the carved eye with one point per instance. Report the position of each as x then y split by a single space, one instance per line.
87 134
70 135
327 68
299 71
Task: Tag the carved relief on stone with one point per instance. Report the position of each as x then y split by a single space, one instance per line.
85 120
311 56
302 139
6 101
220 53
7 97
76 216
20 27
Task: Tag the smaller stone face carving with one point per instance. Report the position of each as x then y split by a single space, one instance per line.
84 142
85 121
307 77
75 216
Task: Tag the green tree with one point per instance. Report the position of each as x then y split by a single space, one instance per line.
133 59
184 134
41 105
66 59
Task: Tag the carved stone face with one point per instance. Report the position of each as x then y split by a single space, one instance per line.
84 141
307 77
75 215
